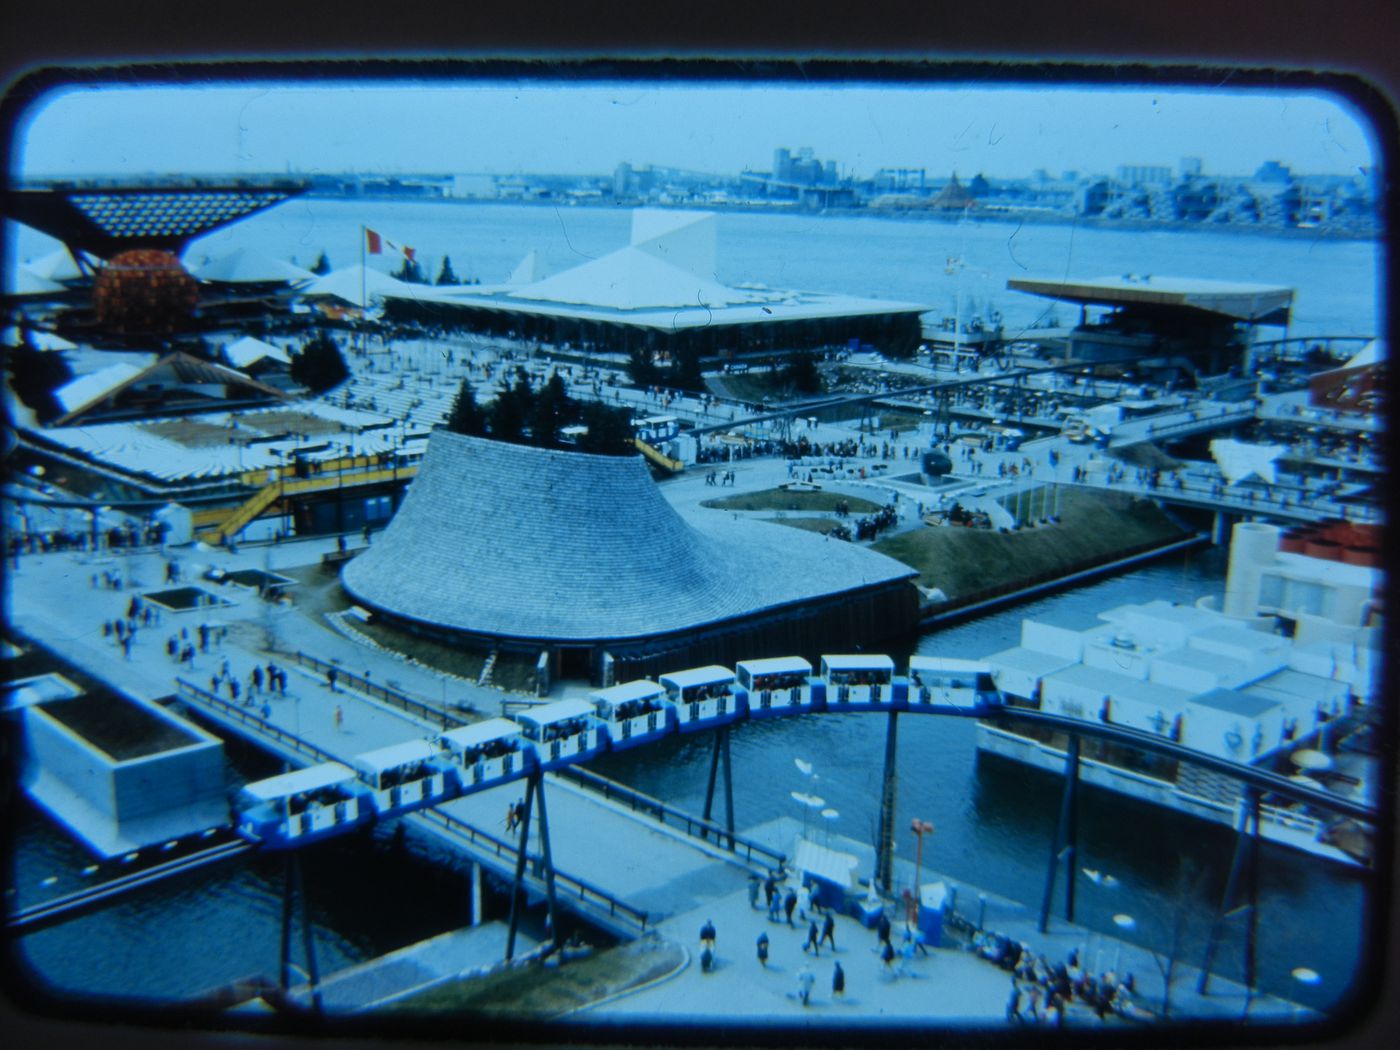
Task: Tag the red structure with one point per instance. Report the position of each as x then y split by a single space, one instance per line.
144 290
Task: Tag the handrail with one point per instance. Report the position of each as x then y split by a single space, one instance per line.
245 717
69 906
585 890
412 705
693 826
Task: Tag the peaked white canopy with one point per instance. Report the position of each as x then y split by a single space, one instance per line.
246 266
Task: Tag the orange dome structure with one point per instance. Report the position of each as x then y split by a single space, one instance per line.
144 290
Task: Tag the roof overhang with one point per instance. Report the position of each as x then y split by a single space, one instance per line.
1254 303
109 219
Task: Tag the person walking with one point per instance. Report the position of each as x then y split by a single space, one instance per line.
838 982
883 929
1013 1004
813 938
707 934
805 980
804 901
790 905
829 930
887 957
753 892
763 950
339 718
330 678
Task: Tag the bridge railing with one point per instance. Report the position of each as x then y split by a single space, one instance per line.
249 716
412 705
581 889
691 825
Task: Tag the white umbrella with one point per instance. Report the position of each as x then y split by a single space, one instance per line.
1310 759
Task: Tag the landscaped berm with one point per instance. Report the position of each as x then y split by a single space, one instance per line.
510 547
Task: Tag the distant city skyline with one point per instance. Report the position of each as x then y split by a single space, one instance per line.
587 129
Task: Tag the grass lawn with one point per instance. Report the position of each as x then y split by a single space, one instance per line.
779 499
1094 527
538 991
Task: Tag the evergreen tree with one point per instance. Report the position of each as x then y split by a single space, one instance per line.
466 416
410 272
551 412
685 371
446 274
322 265
802 374
512 410
609 430
319 366
640 368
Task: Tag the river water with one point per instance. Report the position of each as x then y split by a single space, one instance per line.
993 818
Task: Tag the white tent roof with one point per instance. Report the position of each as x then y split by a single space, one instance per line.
245 266
245 351
40 339
527 271
56 266
86 389
1370 354
357 284
24 281
633 279
1238 459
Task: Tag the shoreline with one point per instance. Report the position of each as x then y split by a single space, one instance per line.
1021 218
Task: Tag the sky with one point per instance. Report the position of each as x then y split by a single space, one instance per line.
540 127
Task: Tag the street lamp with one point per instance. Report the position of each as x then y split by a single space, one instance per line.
1302 976
920 828
1124 924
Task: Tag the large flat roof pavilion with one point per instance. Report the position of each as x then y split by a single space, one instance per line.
659 292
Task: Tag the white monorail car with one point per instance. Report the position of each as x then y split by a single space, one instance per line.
780 685
938 681
404 776
704 697
634 713
859 682
489 753
563 732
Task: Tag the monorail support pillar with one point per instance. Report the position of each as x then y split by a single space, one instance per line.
1244 864
1065 844
295 886
520 852
884 849
547 856
721 751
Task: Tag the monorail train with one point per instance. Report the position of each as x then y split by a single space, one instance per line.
332 798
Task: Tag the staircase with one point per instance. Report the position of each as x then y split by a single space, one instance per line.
487 668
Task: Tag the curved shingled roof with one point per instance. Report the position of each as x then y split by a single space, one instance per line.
528 543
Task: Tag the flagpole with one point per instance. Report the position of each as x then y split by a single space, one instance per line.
364 237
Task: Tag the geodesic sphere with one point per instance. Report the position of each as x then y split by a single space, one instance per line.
144 290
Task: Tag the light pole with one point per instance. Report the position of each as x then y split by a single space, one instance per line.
920 828
1302 977
1124 924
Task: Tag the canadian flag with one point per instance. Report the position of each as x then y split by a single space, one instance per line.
375 242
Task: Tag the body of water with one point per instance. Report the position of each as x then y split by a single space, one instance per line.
1338 283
